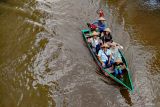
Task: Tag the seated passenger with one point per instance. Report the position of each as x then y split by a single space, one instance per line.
100 24
107 37
95 42
114 50
104 56
118 66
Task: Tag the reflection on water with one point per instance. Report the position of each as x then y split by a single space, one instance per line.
126 95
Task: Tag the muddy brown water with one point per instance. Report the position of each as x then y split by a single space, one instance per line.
45 63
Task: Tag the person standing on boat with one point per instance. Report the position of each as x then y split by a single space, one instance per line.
107 37
95 42
104 56
100 24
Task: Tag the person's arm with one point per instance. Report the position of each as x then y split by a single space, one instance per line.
95 22
119 46
103 26
102 63
90 40
109 59
110 55
99 58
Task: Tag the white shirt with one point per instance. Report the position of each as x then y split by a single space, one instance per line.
95 42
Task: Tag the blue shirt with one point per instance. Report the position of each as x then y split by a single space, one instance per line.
103 56
101 26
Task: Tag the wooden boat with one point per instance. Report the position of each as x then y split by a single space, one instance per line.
126 80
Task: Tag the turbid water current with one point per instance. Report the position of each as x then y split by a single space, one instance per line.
45 63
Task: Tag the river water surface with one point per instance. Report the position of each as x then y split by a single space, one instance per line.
45 63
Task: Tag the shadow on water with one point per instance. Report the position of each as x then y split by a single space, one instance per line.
105 79
124 92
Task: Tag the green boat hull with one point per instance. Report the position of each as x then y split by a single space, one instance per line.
126 82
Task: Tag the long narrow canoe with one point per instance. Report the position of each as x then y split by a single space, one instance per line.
126 81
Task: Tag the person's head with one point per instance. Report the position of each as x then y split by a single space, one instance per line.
95 34
113 45
118 61
105 46
107 31
102 19
100 11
